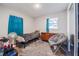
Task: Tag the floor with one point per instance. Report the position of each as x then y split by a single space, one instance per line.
38 48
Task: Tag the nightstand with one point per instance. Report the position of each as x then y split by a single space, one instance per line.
45 36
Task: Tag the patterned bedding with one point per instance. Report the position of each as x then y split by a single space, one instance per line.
31 36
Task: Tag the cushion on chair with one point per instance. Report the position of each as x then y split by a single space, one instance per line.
58 38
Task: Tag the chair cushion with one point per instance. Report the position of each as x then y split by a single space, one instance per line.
57 39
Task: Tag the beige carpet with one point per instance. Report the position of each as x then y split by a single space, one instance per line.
37 48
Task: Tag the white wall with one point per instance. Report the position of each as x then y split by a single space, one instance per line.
72 19
4 18
31 24
62 22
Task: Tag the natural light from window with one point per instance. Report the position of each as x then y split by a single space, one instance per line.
53 23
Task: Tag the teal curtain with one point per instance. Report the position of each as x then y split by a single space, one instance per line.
15 25
47 25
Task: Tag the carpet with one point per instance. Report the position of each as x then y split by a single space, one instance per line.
38 48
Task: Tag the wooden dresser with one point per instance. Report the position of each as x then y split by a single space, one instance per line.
45 36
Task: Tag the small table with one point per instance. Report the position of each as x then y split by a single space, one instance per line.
45 36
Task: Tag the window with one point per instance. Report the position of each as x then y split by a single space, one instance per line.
53 23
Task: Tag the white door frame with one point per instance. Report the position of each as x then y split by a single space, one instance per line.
75 27
68 28
76 31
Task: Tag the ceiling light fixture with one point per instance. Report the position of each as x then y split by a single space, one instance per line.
37 6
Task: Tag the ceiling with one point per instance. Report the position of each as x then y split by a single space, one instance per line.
46 8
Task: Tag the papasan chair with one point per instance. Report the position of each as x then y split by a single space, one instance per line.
56 41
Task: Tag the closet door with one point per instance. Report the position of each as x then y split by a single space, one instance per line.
76 50
78 29
71 28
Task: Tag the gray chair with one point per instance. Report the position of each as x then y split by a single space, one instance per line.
56 42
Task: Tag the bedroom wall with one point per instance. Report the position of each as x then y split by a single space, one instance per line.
72 20
62 22
4 18
31 24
